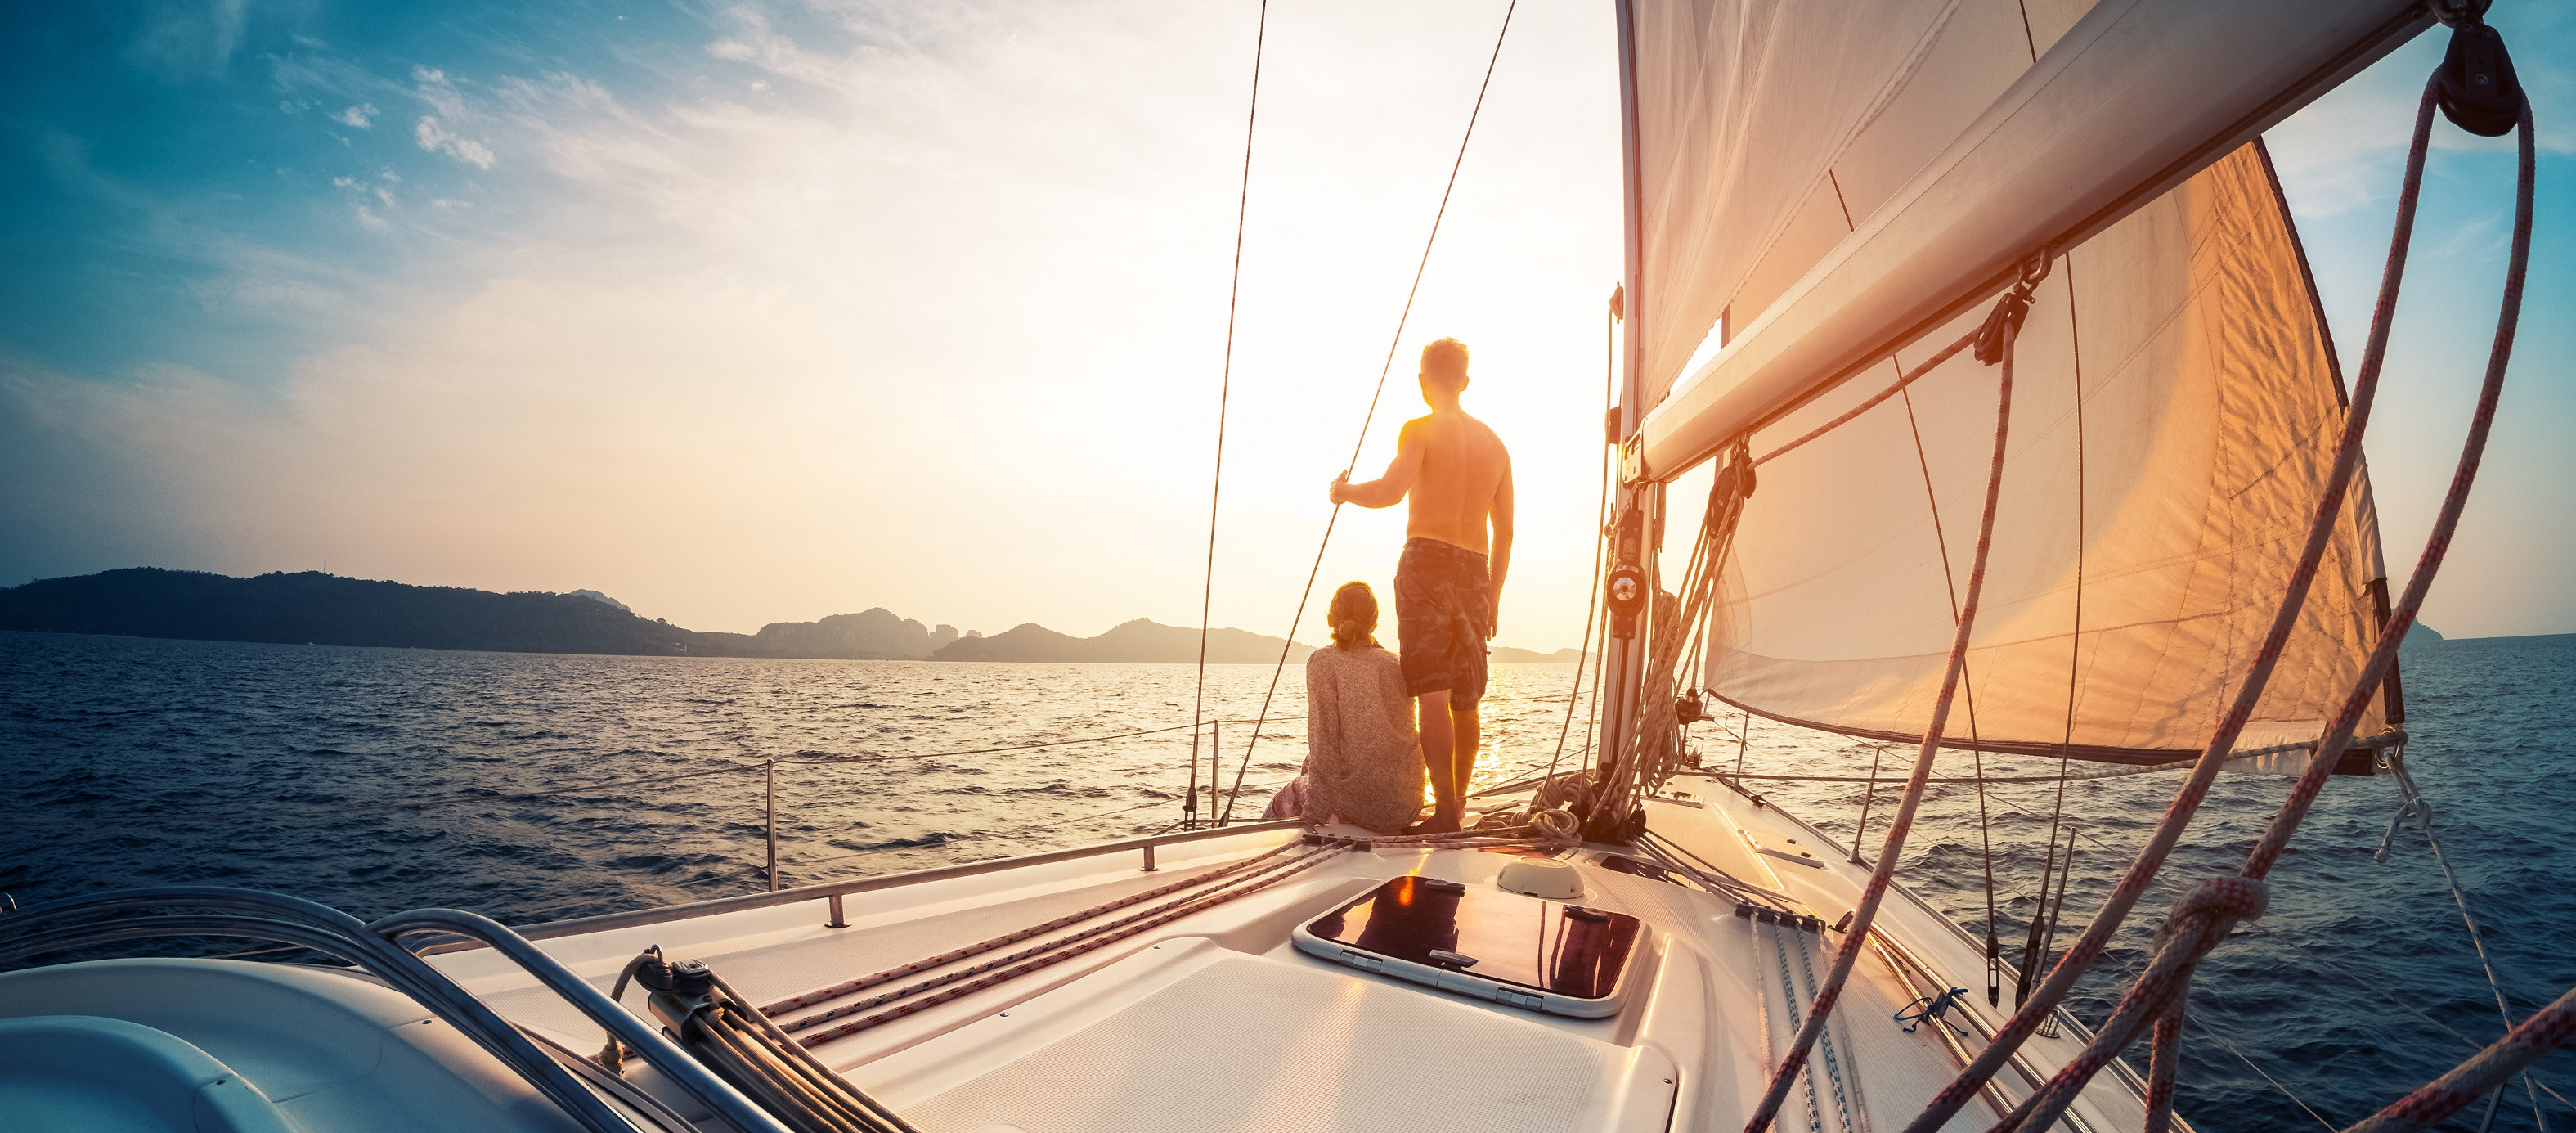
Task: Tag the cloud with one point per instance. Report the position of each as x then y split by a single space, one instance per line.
436 139
361 116
935 322
181 39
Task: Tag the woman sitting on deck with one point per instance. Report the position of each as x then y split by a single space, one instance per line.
1363 761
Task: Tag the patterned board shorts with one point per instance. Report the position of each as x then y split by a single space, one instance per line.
1444 601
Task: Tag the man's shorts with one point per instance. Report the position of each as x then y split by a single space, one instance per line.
1444 602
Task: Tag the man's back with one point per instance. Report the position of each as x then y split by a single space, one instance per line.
1464 467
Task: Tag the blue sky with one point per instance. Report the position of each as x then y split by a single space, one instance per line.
746 312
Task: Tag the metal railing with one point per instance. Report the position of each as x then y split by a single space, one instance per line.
38 929
831 892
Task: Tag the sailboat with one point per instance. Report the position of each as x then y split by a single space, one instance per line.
1989 328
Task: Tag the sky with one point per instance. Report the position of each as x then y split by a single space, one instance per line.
752 312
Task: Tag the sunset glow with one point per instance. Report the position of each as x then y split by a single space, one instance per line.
772 312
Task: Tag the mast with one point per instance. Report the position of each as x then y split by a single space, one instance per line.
1631 564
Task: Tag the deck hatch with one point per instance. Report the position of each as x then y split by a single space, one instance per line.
1484 942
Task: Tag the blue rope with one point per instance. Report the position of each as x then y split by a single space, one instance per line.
1932 1008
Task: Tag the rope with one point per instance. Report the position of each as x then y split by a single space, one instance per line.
2477 940
849 987
2486 1070
1929 1008
2192 930
1968 684
913 998
2187 799
1856 936
1649 756
1375 396
1903 380
1224 392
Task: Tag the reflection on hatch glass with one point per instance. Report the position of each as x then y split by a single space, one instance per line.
1568 950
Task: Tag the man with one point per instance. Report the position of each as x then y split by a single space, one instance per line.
1459 479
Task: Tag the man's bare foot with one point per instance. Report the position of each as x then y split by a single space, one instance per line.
1436 824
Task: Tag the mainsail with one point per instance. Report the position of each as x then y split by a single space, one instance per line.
1835 190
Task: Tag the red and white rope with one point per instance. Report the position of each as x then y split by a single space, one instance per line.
2482 1073
2214 907
910 999
2124 896
1856 934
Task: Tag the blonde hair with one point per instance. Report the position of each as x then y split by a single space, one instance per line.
1353 616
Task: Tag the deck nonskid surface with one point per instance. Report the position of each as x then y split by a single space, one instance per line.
1215 1021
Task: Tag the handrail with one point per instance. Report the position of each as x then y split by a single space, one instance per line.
674 1063
293 920
605 922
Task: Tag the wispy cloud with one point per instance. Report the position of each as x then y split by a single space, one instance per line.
183 39
434 87
361 116
436 139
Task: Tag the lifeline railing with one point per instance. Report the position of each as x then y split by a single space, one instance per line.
831 893
375 948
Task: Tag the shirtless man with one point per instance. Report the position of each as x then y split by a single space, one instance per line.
1446 597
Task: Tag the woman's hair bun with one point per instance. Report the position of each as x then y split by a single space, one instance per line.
1353 615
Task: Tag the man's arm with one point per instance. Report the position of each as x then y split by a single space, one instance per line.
1387 490
1502 556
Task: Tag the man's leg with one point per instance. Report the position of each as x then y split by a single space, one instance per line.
1439 758
1469 733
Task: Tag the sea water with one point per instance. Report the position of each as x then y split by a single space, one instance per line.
534 787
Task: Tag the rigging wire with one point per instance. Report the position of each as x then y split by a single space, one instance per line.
1394 343
2477 941
2002 327
1600 527
2033 949
1224 392
1968 690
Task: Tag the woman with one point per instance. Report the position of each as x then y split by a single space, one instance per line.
1363 762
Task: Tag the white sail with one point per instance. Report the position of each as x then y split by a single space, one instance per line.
2210 411
1836 177
1839 188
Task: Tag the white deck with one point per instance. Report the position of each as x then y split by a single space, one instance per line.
1214 1021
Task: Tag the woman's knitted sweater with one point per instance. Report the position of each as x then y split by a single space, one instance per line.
1363 761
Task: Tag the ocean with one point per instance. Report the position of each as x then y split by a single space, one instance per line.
536 786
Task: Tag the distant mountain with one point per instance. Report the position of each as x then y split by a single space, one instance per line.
2419 634
874 635
1136 642
326 609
